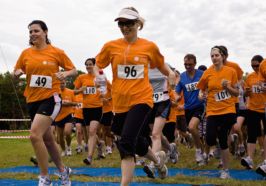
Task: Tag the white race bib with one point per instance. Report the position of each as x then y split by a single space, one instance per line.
79 106
157 97
223 95
191 86
256 89
90 90
41 81
130 71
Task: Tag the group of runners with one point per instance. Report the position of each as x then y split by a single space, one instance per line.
145 108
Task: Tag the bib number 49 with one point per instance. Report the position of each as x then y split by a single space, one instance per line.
41 81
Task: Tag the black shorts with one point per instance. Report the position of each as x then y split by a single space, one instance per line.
242 113
160 109
237 109
169 131
181 123
48 107
197 112
62 122
78 120
92 114
107 118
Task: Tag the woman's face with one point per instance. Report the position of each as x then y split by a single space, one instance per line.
216 57
129 28
89 66
255 65
37 35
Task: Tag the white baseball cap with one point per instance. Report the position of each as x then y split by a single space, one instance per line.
127 14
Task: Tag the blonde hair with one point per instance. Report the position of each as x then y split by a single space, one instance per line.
140 20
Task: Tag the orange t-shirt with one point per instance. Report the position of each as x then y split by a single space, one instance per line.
257 98
181 102
262 73
219 101
67 95
78 112
108 106
91 96
172 115
130 64
40 67
236 67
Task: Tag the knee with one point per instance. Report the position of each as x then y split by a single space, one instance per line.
34 137
156 135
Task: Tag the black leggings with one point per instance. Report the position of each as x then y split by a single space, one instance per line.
133 128
254 119
169 131
219 126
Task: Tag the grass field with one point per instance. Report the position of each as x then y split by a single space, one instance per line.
17 152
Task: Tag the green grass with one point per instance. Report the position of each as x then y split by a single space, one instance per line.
17 152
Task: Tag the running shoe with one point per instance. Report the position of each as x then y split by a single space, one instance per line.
87 161
261 169
161 167
247 162
149 170
44 181
225 174
173 153
64 177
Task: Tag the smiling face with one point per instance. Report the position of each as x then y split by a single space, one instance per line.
89 66
255 65
129 28
216 57
37 35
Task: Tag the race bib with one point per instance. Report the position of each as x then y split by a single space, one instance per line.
256 89
223 95
41 81
157 97
90 90
191 86
130 71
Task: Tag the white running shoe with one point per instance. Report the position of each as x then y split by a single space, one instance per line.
199 157
261 169
161 167
108 150
68 151
225 174
247 162
173 153
44 181
64 177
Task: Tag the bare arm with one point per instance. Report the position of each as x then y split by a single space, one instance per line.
62 75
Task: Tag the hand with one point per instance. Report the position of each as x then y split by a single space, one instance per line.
172 79
180 107
202 95
17 73
247 91
225 83
61 75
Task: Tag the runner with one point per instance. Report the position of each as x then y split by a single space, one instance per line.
194 108
256 110
92 105
219 83
130 58
64 119
41 63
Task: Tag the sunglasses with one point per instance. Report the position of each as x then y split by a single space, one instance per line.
255 66
187 64
128 23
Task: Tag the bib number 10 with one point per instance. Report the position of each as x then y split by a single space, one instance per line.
41 81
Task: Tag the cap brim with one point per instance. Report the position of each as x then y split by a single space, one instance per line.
126 16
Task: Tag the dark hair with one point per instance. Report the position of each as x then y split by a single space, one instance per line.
258 58
191 56
222 51
90 59
225 50
202 67
43 27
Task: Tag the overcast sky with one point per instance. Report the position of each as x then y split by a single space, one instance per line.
178 27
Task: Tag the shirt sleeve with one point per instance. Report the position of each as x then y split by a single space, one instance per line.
178 87
65 62
157 59
262 72
77 82
20 63
103 58
202 84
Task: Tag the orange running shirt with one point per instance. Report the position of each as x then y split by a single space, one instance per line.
67 95
262 73
257 98
130 63
172 115
78 112
181 102
91 96
219 101
236 67
108 106
40 67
